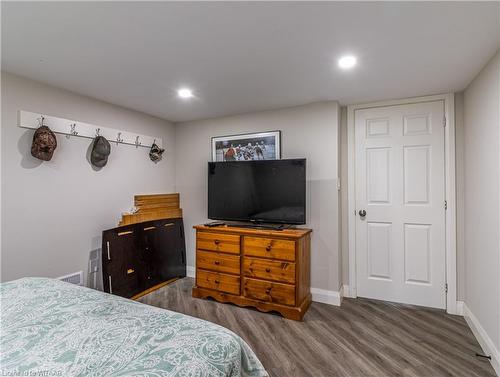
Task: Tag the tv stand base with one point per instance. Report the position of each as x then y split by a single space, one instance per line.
295 313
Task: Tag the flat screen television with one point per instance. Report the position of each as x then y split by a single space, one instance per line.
266 191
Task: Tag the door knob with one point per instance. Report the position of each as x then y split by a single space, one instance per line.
362 213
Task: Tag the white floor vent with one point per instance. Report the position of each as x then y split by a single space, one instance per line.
74 278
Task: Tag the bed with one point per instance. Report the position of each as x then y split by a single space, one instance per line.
53 328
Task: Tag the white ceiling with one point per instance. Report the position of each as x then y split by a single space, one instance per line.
244 57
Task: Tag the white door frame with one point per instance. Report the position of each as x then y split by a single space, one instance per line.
450 193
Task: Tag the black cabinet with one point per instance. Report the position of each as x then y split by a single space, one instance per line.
139 256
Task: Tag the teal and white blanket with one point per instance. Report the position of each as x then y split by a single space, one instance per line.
52 328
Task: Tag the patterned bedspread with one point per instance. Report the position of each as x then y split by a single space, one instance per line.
52 328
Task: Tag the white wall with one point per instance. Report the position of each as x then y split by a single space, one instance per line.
482 198
309 131
53 212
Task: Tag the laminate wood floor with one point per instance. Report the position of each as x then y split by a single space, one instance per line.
360 338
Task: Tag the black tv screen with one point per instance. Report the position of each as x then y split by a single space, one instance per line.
272 191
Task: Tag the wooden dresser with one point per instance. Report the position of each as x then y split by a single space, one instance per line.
266 269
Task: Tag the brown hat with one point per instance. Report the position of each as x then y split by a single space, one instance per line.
44 143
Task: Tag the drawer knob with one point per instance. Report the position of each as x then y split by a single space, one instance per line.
268 248
216 281
268 290
216 262
216 242
268 270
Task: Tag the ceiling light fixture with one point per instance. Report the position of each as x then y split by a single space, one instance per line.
348 61
185 93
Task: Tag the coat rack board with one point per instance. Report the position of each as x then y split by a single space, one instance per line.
79 129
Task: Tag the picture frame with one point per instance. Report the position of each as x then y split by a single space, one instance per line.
247 147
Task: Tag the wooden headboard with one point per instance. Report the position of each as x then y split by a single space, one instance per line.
153 207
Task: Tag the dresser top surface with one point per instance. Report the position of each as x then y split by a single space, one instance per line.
285 233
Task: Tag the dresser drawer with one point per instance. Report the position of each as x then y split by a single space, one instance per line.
269 248
269 270
262 290
217 281
220 262
226 243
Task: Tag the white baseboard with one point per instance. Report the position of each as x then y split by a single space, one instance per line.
454 307
482 337
347 291
326 297
190 271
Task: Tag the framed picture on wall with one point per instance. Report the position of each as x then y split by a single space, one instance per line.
245 147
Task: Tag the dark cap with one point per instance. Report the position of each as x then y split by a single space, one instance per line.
44 143
155 153
100 152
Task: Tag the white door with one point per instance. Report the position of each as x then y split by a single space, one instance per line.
400 184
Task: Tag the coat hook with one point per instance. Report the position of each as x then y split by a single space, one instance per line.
97 131
40 121
137 142
72 131
118 138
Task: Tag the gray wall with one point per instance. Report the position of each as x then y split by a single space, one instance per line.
482 201
342 206
309 131
460 192
343 195
53 212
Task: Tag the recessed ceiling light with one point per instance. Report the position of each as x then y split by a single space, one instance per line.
185 93
348 61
